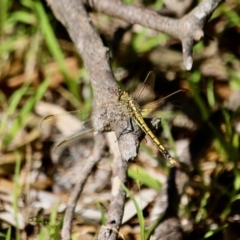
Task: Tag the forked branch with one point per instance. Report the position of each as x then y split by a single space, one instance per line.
188 29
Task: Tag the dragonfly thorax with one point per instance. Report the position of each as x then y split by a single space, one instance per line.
129 103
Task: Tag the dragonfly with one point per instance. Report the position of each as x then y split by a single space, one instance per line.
138 106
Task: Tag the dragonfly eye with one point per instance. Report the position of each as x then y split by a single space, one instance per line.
123 96
119 94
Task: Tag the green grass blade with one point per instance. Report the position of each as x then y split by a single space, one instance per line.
139 174
212 232
54 47
54 224
194 80
210 94
4 6
25 111
16 97
168 133
103 214
202 213
9 233
13 103
22 17
139 212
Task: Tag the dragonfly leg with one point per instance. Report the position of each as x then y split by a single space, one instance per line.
129 128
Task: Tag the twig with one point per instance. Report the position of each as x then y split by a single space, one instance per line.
116 208
188 29
115 211
84 174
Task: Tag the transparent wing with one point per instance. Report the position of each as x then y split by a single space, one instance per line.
152 109
76 139
67 122
144 93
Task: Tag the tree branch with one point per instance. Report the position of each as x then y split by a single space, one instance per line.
85 172
187 29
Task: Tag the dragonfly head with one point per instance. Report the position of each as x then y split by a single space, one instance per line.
123 96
